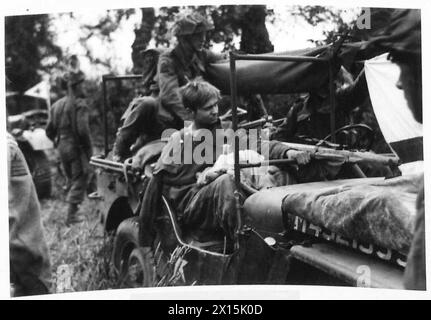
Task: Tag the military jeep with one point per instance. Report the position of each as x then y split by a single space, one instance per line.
26 121
276 245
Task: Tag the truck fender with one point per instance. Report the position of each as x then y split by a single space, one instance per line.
118 211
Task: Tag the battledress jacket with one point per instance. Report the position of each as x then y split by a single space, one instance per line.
60 127
174 70
29 256
146 117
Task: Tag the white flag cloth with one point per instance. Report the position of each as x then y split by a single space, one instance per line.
41 90
400 130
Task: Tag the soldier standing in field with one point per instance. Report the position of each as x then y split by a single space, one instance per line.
68 127
149 116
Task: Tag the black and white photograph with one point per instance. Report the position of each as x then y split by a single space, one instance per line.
197 145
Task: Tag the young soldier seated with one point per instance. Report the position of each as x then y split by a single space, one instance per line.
200 189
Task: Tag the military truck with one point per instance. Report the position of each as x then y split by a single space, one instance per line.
279 245
26 120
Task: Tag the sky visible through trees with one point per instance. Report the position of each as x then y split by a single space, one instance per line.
99 54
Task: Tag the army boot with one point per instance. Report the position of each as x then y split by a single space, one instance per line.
72 214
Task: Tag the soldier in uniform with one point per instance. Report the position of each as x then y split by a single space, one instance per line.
28 251
202 194
402 39
149 116
68 127
187 61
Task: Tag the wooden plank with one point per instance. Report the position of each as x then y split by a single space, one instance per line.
352 267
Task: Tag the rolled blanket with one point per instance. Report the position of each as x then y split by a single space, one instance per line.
380 213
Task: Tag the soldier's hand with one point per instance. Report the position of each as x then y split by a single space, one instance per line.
214 174
136 163
209 175
301 157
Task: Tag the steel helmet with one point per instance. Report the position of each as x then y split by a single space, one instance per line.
190 24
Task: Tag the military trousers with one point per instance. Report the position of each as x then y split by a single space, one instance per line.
211 211
77 169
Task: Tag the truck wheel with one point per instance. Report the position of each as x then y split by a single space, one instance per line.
140 269
41 172
126 240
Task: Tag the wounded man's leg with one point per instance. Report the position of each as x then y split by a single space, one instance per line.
213 209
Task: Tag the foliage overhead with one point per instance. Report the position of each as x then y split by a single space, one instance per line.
315 15
29 50
229 21
30 47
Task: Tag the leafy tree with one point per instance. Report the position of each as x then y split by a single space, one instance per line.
247 21
315 15
255 37
143 36
28 45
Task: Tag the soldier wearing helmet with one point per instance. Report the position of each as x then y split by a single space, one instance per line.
147 117
186 61
402 38
68 127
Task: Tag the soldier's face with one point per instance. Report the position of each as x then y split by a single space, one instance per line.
410 81
80 90
197 40
208 114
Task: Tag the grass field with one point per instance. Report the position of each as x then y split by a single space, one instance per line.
83 249
81 254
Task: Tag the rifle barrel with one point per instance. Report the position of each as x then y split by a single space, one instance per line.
107 162
110 168
349 156
267 163
259 122
113 166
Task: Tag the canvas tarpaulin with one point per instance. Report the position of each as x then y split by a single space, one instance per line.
273 77
381 212
282 77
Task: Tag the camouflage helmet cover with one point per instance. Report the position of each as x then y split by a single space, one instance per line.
191 24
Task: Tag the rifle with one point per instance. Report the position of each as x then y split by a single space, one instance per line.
261 122
113 166
322 153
